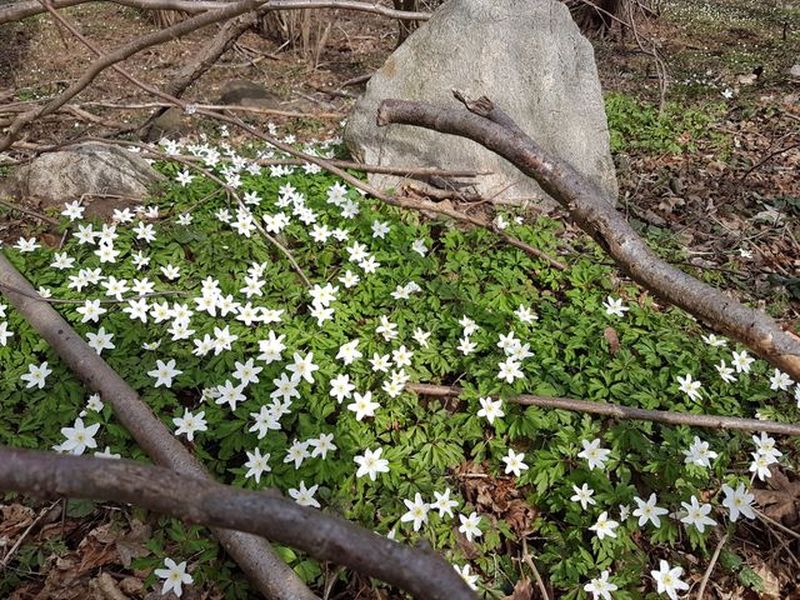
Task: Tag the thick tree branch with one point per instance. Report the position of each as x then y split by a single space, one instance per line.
618 411
424 574
266 570
27 8
595 214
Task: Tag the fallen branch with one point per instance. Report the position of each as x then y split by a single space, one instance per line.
27 211
231 31
424 574
618 411
27 8
592 211
269 574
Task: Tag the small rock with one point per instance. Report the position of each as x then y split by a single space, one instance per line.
172 123
794 71
242 92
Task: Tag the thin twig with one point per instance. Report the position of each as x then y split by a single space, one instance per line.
72 301
774 523
29 212
21 538
532 566
618 411
714 557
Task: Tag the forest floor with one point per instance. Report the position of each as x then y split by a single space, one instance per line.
713 174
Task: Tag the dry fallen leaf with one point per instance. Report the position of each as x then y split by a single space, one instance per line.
781 501
613 340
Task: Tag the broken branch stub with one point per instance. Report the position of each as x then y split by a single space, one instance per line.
593 212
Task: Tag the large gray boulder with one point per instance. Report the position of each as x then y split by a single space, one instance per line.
86 171
528 56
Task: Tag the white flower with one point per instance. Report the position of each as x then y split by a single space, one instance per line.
5 334
614 307
417 511
470 579
604 527
514 462
600 587
349 352
305 497
466 346
583 495
699 454
469 526
387 329
164 373
689 387
761 463
370 463
174 576
402 357
725 372
525 314
738 501
648 511
742 361
780 381
73 210
303 367
421 337
36 375
322 445
594 454
297 453
190 424
90 311
419 247
714 341
246 372
509 370
668 580
491 409
79 437
100 341
443 503
363 405
765 444
257 464
341 387
697 514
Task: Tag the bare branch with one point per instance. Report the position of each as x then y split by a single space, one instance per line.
618 411
178 30
265 569
27 8
593 212
424 574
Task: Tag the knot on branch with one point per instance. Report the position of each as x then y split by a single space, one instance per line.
482 106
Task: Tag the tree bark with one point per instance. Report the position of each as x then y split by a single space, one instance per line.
422 573
595 214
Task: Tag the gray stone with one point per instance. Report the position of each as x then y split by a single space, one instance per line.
242 92
172 123
86 171
794 71
528 56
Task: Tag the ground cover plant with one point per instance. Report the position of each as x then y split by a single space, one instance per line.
275 383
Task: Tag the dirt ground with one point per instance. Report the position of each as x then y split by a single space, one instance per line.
710 202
